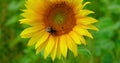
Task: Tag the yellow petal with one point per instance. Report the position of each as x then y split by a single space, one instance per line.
24 21
29 32
81 31
54 51
30 22
75 37
75 2
82 40
71 45
29 13
58 49
92 27
83 13
49 47
53 1
86 4
43 38
78 1
35 38
86 21
63 46
41 47
32 15
35 5
78 5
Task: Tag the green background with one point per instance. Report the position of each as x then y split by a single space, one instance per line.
104 48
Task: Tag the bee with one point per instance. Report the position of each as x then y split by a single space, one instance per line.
51 30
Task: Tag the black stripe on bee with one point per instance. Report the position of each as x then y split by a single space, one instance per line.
50 30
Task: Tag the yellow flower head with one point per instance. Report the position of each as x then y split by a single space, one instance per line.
56 26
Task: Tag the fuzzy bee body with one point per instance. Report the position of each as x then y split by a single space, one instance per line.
51 30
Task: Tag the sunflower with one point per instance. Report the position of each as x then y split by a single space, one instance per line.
57 26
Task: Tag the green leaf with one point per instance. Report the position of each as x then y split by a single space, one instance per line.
107 45
84 51
105 22
106 58
12 20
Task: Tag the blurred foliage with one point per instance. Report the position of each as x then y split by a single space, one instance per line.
104 48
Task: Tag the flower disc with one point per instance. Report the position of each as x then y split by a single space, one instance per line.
60 17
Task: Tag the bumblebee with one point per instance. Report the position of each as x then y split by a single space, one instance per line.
51 30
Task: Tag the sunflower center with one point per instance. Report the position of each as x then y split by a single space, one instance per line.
59 18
